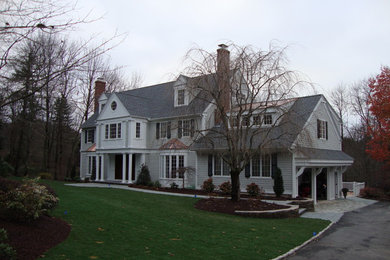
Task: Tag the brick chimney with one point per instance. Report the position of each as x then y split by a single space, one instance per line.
223 71
100 87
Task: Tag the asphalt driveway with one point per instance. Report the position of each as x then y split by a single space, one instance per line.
360 234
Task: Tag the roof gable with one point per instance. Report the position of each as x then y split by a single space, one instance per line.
114 108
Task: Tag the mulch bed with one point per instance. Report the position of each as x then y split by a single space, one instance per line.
31 240
228 206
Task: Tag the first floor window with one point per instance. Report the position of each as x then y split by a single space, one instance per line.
92 165
173 166
261 166
221 168
266 165
256 166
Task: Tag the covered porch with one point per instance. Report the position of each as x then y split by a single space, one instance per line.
117 167
319 173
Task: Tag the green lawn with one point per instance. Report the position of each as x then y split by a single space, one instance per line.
118 224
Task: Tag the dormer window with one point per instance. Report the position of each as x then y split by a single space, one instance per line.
267 119
180 97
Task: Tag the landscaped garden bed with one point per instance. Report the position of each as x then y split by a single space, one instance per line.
33 239
247 207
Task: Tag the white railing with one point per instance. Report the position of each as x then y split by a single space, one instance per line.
355 187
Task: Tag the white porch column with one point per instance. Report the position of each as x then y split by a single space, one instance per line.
123 168
102 172
142 158
97 176
314 173
294 178
330 182
130 167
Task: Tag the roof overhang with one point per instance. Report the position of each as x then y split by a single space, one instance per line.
321 163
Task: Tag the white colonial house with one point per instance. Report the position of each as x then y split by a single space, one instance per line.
159 126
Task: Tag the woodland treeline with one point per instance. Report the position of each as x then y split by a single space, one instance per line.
47 86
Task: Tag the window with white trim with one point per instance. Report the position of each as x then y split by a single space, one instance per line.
180 96
220 167
267 119
261 166
172 166
186 128
113 131
322 129
89 136
137 130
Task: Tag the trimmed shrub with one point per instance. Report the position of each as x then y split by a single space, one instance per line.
253 189
144 176
6 251
27 202
45 176
371 193
174 185
226 188
278 182
208 185
157 184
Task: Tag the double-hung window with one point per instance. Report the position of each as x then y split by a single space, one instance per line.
322 129
180 96
261 166
267 119
221 168
113 131
137 130
186 128
89 136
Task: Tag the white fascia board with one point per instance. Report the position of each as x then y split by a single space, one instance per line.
306 162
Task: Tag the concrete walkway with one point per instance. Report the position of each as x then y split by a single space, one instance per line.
125 187
333 210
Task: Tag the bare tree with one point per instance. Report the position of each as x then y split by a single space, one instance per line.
244 89
339 99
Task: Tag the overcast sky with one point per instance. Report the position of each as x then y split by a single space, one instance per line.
331 42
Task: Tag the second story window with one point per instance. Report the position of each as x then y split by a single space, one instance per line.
113 131
186 128
267 119
180 96
89 136
137 130
163 130
322 129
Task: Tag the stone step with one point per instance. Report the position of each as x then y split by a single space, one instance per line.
301 211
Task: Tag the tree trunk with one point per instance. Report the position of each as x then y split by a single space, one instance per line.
235 177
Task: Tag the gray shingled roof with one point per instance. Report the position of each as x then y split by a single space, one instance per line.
281 136
323 154
157 102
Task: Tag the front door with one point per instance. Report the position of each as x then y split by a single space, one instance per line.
118 166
